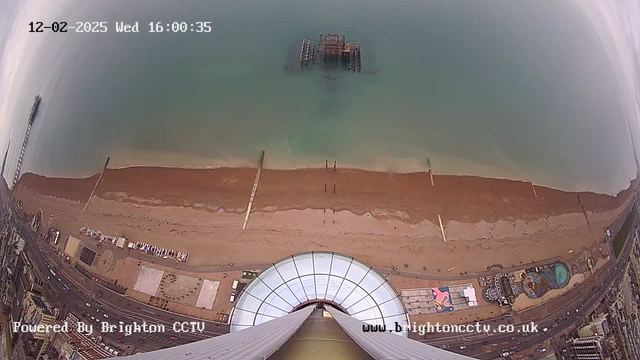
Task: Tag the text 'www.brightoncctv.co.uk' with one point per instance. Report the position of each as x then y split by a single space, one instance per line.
478 328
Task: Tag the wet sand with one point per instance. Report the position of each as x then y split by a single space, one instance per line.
385 219
409 197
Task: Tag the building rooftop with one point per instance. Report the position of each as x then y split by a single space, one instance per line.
85 346
40 304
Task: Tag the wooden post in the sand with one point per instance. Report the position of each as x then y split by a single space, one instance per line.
334 165
442 228
96 185
584 211
546 223
253 191
334 188
431 177
326 165
534 189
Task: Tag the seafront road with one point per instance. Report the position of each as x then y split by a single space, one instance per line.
562 311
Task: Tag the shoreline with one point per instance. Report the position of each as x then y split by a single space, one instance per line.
384 219
279 161
406 196
344 168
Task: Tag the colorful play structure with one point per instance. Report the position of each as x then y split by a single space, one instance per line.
540 280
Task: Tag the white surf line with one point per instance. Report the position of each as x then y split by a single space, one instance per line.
442 228
96 186
253 191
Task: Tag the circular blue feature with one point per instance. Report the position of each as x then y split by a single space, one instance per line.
562 275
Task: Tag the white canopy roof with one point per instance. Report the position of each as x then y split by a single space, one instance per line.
319 276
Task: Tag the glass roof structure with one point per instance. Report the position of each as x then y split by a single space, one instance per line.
342 281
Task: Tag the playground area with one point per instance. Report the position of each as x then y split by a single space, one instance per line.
439 300
540 280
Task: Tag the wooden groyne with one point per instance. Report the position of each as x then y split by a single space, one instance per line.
253 191
96 185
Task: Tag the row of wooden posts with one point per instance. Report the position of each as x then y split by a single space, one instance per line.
326 165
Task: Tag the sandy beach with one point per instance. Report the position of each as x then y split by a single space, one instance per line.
385 219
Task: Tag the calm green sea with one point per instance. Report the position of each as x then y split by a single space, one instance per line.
516 89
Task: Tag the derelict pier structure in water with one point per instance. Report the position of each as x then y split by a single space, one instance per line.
333 52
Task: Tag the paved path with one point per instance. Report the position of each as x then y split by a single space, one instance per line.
471 275
139 255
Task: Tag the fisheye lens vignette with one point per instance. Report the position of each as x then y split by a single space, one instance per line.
325 180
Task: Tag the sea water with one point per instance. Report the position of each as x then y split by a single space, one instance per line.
513 89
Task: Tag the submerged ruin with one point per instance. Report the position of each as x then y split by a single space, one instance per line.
333 52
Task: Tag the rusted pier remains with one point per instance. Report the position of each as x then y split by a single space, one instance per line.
335 46
333 50
331 45
354 51
307 53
